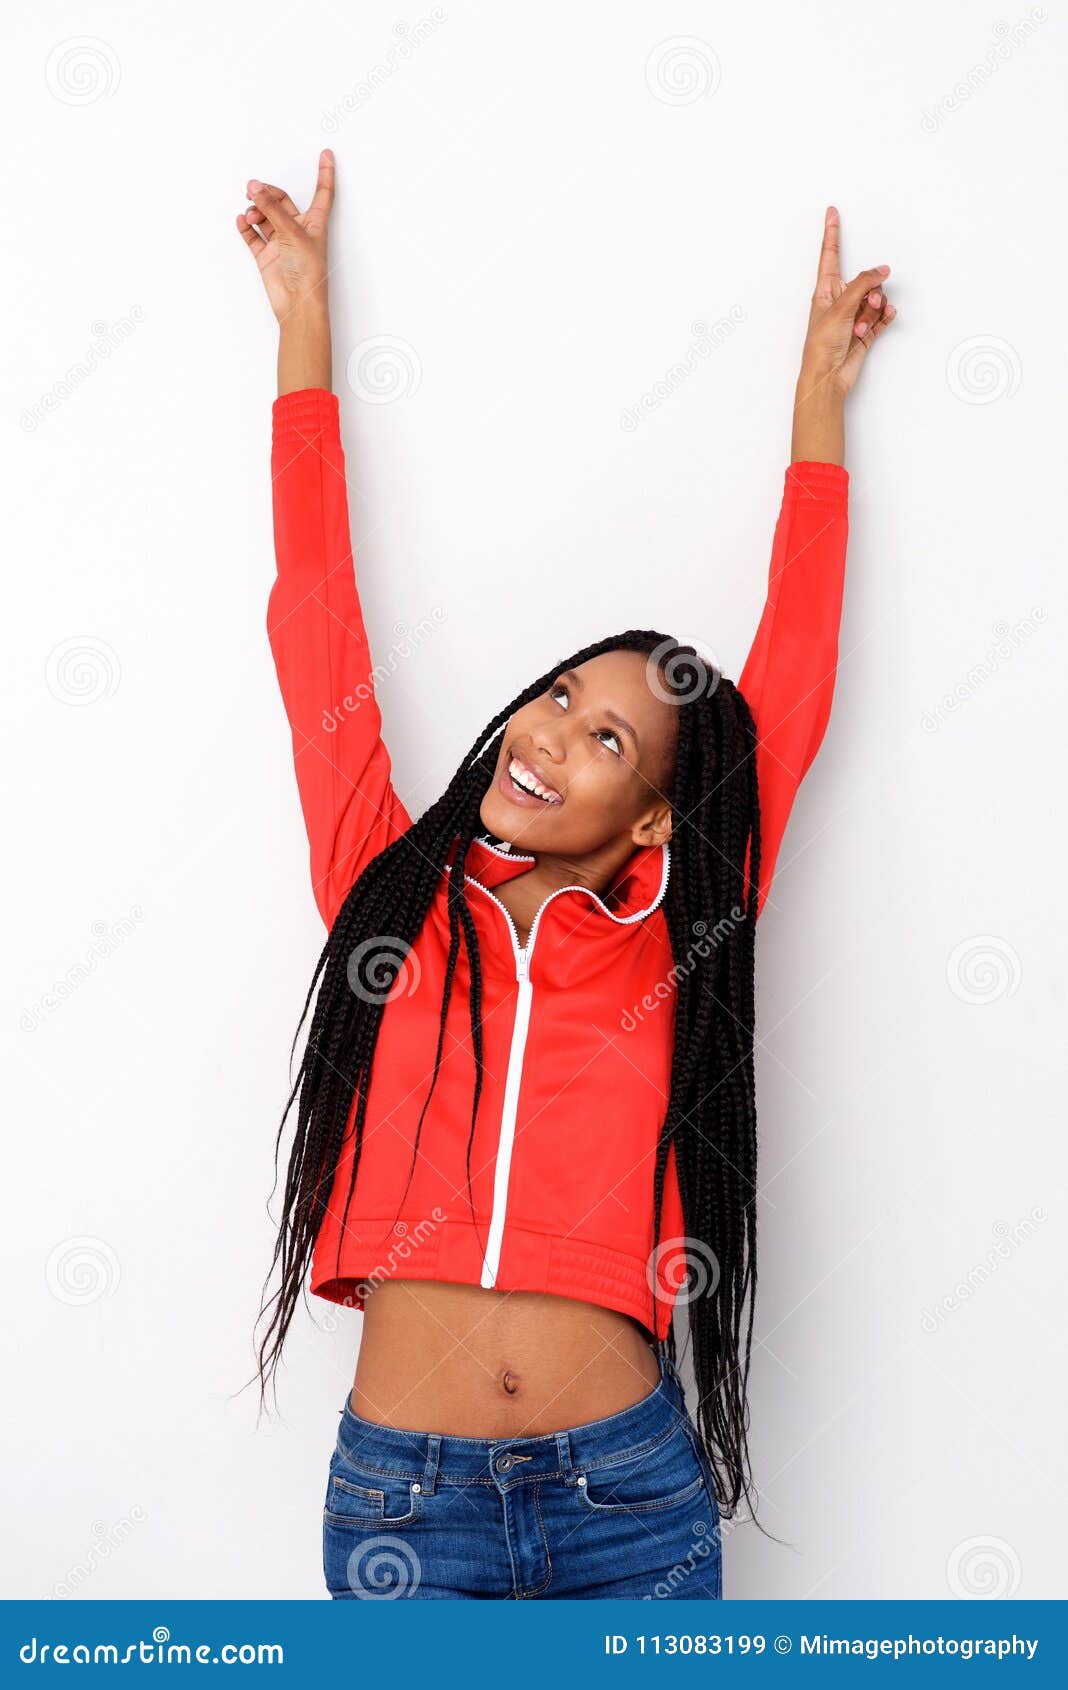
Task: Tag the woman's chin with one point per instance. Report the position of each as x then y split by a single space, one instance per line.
500 819
513 823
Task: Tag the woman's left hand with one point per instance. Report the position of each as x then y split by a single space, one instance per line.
844 323
846 319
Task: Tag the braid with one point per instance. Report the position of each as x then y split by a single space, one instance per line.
710 1122
711 1115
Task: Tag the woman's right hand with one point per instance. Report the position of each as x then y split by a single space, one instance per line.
290 249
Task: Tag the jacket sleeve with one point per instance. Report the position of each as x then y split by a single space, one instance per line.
320 649
788 678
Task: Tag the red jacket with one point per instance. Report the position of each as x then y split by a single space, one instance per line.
579 1026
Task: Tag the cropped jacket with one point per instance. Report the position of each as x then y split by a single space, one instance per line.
578 1024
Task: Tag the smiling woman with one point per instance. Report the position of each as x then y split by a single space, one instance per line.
591 788
522 1185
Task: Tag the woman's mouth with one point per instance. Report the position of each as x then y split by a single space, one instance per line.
520 785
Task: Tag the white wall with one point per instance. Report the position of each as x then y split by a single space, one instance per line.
541 214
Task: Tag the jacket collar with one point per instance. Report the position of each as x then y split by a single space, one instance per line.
636 891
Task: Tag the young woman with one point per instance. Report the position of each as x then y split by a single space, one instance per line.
526 1127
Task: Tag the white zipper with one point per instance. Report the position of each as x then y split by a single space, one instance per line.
491 1261
520 1029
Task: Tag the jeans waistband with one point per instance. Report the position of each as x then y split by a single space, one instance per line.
430 1456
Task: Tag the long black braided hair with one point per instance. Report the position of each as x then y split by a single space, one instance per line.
711 1112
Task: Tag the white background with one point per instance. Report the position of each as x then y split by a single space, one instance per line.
540 205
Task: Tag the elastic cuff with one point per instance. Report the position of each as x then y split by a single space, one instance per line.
808 482
304 413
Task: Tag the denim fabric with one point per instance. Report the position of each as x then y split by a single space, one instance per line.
623 1506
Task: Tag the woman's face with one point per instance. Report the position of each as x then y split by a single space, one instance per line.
601 740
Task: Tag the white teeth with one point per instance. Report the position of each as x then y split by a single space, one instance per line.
522 778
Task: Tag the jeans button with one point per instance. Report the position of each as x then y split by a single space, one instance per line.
503 1463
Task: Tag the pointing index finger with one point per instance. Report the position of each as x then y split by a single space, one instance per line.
829 251
323 197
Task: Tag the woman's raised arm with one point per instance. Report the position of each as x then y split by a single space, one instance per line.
314 620
789 675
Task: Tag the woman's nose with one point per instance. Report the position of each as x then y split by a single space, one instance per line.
549 749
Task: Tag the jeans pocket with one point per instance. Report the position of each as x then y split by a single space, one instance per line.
643 1482
704 1463
378 1563
365 1499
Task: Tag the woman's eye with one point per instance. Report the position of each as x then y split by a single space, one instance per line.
599 733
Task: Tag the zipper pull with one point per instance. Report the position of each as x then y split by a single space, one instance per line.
522 964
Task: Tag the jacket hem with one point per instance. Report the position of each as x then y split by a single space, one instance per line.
450 1251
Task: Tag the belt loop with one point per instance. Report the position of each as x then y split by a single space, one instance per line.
433 1461
669 1369
563 1454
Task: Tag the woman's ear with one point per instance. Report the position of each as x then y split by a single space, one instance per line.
654 828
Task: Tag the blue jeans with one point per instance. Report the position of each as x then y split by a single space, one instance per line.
623 1506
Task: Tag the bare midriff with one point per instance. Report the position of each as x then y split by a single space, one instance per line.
477 1363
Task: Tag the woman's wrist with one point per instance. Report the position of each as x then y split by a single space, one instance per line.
819 418
304 348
